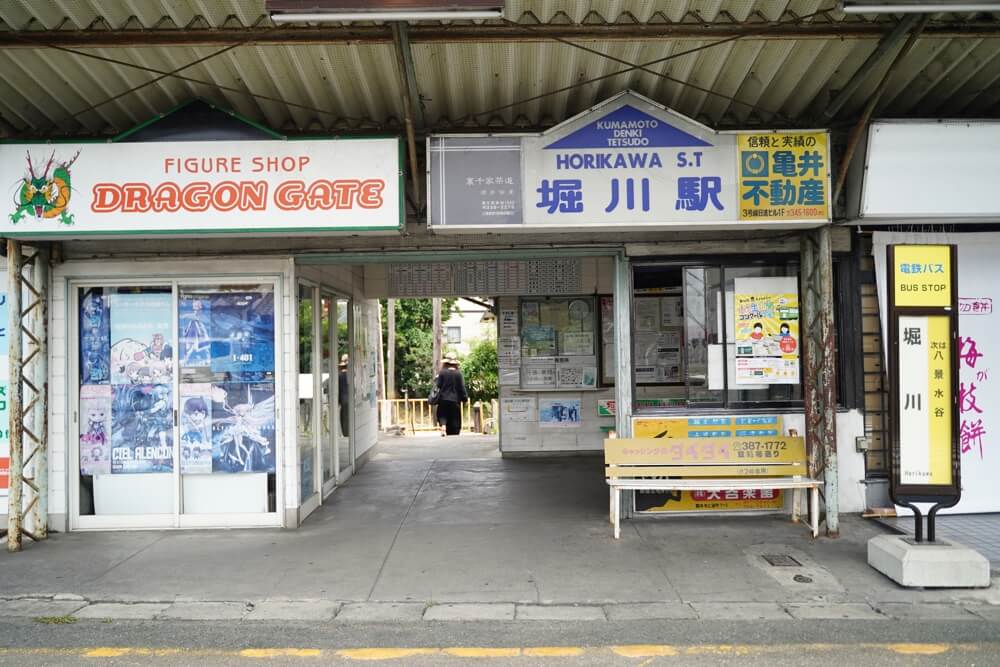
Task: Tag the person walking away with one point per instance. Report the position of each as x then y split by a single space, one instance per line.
343 399
452 393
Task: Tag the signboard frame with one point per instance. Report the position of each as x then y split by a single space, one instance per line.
943 495
66 232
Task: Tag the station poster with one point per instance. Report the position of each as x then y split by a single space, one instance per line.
766 321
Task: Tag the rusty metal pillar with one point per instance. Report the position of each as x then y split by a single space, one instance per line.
15 486
820 367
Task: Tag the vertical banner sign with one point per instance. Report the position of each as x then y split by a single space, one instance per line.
923 319
784 176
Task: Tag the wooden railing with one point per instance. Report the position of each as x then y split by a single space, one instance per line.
416 415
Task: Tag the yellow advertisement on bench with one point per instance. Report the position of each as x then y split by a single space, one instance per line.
707 427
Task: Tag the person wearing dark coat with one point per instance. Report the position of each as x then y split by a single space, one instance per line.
452 394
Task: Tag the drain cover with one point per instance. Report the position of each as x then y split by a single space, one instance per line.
782 560
802 579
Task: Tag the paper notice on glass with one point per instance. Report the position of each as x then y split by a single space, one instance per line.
509 376
646 349
607 318
576 377
538 376
716 368
508 322
668 373
578 343
671 312
645 374
647 314
529 313
518 409
609 362
538 341
509 351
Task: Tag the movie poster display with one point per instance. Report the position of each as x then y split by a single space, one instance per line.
194 318
242 334
95 339
95 429
140 326
142 429
196 428
243 427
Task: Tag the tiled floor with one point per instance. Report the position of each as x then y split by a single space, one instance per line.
978 531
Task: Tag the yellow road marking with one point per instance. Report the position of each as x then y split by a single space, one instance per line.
553 651
919 649
642 651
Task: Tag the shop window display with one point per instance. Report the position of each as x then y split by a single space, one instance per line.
221 364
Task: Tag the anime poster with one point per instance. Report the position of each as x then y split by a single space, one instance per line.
243 428
196 428
140 326
95 338
767 330
193 320
95 429
242 334
142 429
559 412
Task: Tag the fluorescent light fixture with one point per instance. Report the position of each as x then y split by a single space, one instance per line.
918 7
347 17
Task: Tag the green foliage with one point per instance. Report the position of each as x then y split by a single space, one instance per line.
415 343
481 370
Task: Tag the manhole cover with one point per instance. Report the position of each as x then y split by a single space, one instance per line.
782 560
802 579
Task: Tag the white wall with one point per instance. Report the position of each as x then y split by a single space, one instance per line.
468 317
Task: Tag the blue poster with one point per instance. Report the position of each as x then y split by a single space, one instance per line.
196 428
194 318
142 429
243 428
140 327
242 334
95 338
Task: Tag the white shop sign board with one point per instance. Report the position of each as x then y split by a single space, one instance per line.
932 170
979 358
70 190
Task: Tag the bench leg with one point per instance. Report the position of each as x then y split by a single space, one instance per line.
611 505
814 510
796 500
618 511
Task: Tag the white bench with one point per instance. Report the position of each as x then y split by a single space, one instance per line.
709 464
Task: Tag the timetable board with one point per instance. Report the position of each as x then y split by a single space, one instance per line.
487 277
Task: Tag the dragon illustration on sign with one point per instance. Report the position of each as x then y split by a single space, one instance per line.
45 196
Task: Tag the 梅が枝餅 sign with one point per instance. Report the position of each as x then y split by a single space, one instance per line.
191 188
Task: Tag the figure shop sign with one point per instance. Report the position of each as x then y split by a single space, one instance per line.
193 187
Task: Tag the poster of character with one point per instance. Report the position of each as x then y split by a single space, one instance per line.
196 428
142 429
194 319
243 427
95 429
140 325
242 334
766 321
559 412
95 338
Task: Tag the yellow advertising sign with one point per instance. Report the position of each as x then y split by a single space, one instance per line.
784 176
708 501
925 400
767 332
706 427
922 275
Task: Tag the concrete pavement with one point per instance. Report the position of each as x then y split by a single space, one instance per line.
436 529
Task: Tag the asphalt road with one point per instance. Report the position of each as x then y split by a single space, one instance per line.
28 642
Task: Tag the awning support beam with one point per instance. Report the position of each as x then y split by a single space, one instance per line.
412 112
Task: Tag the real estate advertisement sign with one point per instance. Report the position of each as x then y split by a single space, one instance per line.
196 187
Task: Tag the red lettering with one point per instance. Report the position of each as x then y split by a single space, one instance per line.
321 195
253 195
346 190
135 197
196 196
107 198
371 193
226 196
167 197
289 195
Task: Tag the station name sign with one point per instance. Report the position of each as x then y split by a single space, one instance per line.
628 164
190 188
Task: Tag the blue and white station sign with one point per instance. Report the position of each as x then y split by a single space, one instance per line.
625 164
